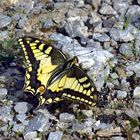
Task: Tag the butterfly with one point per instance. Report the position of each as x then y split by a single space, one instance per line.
52 76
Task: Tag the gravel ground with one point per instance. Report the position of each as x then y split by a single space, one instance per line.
105 36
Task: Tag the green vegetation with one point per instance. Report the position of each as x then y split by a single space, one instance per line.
126 22
129 128
8 49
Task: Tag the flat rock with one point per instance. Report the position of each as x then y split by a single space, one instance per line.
30 135
3 93
107 10
121 35
25 6
57 135
22 107
121 6
5 114
126 49
121 94
101 37
4 21
75 27
136 92
38 123
18 128
66 117
135 67
3 35
133 11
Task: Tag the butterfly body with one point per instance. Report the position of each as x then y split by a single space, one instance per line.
52 76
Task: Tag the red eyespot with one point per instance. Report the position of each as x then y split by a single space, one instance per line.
41 89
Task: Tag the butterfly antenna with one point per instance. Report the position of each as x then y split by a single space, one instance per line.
73 47
84 53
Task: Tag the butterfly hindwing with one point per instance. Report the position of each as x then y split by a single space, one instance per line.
76 85
80 87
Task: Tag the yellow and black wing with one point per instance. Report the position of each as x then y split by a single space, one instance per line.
42 60
52 76
75 84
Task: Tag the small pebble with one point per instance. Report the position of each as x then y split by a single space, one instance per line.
3 93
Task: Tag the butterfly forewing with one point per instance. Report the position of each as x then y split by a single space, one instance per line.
41 60
78 86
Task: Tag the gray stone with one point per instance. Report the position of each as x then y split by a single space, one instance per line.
16 16
126 49
22 107
121 35
114 75
136 105
19 94
63 125
37 139
137 48
121 94
109 23
66 117
57 135
88 122
3 35
18 128
75 27
94 19
138 1
94 3
99 28
101 126
134 67
133 30
119 25
106 1
38 123
4 21
94 44
19 84
78 127
132 113
48 23
25 6
12 98
22 118
61 40
22 22
125 84
136 92
5 114
133 15
118 138
101 37
79 3
107 10
121 6
88 113
116 82
133 11
30 135
3 93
